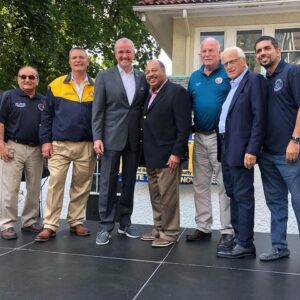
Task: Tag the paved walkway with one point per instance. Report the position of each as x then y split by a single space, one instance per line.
143 214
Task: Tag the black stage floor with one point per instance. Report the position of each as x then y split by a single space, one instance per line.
71 267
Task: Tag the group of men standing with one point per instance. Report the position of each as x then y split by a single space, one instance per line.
240 118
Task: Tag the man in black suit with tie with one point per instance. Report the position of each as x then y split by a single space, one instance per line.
166 126
241 130
120 93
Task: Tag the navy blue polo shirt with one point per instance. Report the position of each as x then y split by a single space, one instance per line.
21 115
208 94
283 106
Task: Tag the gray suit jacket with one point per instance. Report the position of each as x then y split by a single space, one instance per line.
114 121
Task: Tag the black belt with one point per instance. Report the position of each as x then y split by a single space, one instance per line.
209 132
24 142
222 135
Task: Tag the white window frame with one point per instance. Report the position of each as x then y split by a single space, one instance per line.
230 34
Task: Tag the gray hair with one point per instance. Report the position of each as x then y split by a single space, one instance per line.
126 40
239 51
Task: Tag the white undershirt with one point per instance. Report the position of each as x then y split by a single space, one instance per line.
128 82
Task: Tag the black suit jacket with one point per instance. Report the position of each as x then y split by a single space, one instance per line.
166 126
245 122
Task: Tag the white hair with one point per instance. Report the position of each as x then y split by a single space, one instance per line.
239 51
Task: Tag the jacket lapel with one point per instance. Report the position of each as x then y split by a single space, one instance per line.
119 83
238 91
158 97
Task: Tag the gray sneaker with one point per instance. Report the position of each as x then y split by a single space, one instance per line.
274 254
102 238
129 231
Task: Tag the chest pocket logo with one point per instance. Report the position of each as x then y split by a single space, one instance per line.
278 85
20 104
41 107
218 80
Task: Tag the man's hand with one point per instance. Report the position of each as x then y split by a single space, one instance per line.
292 152
5 152
249 161
47 150
173 162
99 148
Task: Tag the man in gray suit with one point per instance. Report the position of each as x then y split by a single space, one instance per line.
120 93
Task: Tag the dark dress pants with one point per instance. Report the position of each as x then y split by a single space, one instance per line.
239 187
110 164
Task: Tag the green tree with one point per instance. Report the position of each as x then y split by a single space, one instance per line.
40 33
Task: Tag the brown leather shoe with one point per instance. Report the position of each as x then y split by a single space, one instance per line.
149 236
35 227
9 234
45 235
198 235
80 230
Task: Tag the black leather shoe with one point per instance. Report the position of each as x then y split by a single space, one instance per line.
237 252
226 242
198 235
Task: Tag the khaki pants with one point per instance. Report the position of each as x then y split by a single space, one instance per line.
84 162
164 195
205 163
30 160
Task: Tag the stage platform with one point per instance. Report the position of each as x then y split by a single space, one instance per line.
71 267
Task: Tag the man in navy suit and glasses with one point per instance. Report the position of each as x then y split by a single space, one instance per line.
241 131
120 93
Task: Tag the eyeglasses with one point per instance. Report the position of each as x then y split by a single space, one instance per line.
231 62
30 77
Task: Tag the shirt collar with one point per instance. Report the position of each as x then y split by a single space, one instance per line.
278 69
156 91
235 82
123 72
216 69
85 80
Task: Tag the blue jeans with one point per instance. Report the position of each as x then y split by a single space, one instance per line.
280 177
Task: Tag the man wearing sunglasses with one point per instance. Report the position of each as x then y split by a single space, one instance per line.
20 115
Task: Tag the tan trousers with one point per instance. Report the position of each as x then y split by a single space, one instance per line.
30 160
164 195
84 162
205 163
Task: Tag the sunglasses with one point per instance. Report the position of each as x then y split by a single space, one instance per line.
30 77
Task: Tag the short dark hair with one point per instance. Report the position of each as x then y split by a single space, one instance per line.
273 41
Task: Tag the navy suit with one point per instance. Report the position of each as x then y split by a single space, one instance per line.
245 129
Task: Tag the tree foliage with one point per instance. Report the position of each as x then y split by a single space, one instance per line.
41 33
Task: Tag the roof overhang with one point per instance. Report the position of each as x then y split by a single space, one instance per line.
159 18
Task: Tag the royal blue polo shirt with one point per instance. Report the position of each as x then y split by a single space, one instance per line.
283 106
208 94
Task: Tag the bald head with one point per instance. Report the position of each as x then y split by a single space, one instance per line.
210 53
155 74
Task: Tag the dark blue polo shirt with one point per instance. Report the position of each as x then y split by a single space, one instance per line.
21 115
283 106
208 94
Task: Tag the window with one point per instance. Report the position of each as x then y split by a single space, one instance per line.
246 40
218 35
289 42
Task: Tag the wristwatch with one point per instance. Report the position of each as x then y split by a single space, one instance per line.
296 139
